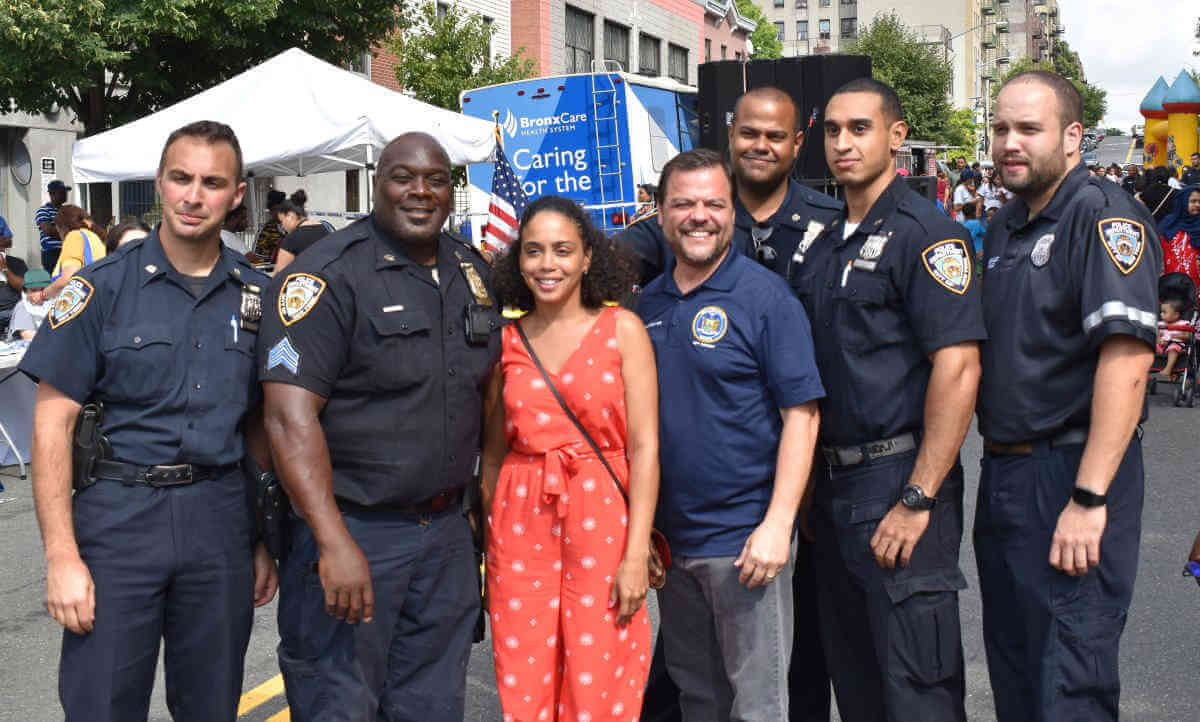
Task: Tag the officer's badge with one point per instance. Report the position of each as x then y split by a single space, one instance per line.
710 324
872 248
1124 240
1040 255
70 302
475 282
284 354
298 296
949 262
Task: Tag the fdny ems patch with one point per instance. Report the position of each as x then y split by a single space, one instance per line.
710 324
70 302
285 355
1124 240
949 262
298 296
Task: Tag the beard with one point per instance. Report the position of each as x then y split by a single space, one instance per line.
763 186
1042 174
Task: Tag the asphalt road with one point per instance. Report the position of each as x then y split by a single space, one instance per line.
1160 650
1116 149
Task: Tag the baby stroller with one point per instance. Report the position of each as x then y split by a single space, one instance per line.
1179 287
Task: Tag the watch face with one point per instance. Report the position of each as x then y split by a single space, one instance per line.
911 497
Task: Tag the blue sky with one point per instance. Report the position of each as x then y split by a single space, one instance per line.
1125 46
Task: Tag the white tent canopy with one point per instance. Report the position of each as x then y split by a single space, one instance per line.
293 115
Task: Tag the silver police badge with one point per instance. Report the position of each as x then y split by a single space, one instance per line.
1040 255
872 248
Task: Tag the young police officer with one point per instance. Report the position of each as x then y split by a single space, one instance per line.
896 324
1070 292
157 542
375 349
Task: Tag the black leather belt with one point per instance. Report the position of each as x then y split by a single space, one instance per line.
851 455
1066 438
432 505
159 476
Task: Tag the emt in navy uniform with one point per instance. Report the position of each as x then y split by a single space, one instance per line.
374 354
158 542
774 214
1070 292
896 323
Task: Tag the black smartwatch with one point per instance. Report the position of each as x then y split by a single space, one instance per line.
913 497
1088 499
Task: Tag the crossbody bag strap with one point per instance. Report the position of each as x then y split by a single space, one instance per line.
567 410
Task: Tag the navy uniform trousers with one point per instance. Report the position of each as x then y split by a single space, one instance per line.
172 565
1052 639
410 663
891 636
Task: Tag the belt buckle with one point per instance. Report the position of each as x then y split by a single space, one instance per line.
166 476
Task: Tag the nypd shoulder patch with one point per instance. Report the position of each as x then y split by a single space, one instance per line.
949 262
298 296
284 354
70 302
1125 240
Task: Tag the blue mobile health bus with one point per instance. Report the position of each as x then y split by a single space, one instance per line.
592 137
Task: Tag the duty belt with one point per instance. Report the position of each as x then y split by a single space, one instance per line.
432 505
162 475
1066 438
851 455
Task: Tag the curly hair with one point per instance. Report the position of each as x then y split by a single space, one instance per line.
609 278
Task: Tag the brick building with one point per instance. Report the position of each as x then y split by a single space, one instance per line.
726 32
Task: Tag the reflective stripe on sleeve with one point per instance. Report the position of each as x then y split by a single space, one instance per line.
1111 310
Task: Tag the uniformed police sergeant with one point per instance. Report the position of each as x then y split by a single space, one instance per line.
1070 292
157 542
373 380
774 214
896 322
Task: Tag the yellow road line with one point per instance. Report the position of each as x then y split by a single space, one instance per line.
273 687
284 716
1132 143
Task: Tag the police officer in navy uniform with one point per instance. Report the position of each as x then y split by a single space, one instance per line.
374 353
158 541
774 213
896 323
1070 293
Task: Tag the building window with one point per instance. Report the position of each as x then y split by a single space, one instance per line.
352 190
581 41
707 49
442 9
616 44
677 63
738 56
823 27
778 3
825 3
802 30
849 2
801 4
490 24
849 27
360 65
649 62
779 30
723 49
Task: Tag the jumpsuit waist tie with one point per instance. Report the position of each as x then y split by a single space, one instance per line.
570 460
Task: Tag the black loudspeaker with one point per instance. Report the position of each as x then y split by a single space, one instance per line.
810 80
720 84
822 75
926 185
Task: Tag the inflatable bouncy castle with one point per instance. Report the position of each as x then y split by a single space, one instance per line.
1171 122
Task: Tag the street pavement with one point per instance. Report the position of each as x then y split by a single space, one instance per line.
1118 149
1160 650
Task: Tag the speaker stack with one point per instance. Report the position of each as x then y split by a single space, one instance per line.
810 80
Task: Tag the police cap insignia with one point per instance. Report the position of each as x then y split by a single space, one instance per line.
1125 240
710 324
949 262
298 296
70 302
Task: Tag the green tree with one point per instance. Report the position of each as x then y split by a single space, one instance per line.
112 61
1113 131
439 57
1066 63
920 74
765 37
961 131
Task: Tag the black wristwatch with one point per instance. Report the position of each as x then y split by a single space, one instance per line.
914 498
1088 499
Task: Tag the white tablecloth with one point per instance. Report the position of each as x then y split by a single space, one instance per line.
17 394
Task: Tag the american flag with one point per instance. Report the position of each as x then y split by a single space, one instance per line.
507 205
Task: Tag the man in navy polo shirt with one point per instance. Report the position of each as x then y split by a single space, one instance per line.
739 389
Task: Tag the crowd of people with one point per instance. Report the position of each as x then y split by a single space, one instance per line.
753 398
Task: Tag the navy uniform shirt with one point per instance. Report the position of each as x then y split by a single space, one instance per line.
731 354
804 213
175 377
355 321
1054 288
898 289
